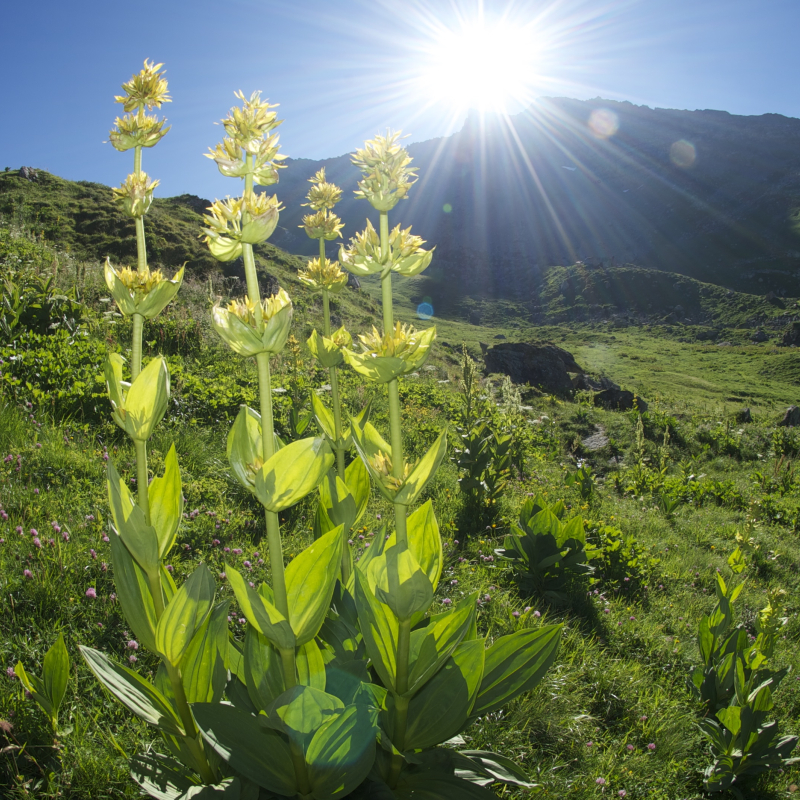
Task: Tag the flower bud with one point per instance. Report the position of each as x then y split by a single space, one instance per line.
148 88
384 165
322 194
249 329
323 275
135 195
139 406
146 293
260 217
322 225
140 129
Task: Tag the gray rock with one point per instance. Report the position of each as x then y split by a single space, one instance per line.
352 281
791 418
29 173
620 399
791 337
545 367
744 415
760 336
588 383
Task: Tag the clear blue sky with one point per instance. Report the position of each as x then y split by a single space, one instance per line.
343 70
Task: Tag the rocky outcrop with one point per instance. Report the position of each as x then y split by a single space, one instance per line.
791 337
620 400
29 173
544 367
791 419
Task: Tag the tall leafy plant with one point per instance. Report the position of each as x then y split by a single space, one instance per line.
182 625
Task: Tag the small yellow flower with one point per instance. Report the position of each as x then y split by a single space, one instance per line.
250 220
140 283
137 130
384 165
322 194
322 225
146 292
325 274
239 324
135 195
231 160
148 88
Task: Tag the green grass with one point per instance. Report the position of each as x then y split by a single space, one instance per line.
620 678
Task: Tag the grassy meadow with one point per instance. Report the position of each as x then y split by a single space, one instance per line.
612 718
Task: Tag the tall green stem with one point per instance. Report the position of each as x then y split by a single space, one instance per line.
136 346
142 481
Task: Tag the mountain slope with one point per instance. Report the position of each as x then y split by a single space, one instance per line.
505 198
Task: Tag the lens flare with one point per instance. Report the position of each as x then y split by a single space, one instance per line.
682 154
425 310
603 123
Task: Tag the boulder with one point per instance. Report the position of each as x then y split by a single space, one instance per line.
744 415
791 418
545 367
352 281
620 400
590 384
29 173
760 336
791 337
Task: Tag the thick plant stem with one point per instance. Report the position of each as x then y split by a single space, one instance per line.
141 247
400 702
136 346
334 375
193 740
142 484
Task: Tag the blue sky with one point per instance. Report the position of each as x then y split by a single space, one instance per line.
343 70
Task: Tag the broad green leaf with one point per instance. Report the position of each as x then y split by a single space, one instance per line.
135 693
166 503
705 640
300 711
253 750
730 717
129 520
379 627
147 400
311 666
736 561
35 686
203 668
433 645
342 752
400 583
380 369
245 447
292 473
369 443
185 614
515 664
440 709
161 777
572 530
424 541
322 521
429 785
263 672
495 766
337 500
227 789
310 579
133 593
55 673
424 470
323 417
357 479
260 612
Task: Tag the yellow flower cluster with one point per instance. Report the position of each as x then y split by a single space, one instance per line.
323 274
148 88
135 195
250 220
382 464
140 283
322 225
322 194
401 343
137 130
384 165
245 308
248 124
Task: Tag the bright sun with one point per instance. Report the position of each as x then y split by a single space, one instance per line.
482 66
